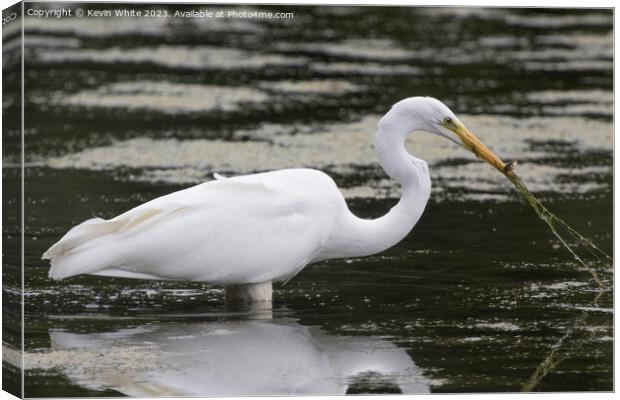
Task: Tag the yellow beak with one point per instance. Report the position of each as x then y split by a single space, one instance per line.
473 144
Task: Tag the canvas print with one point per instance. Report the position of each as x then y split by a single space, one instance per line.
231 200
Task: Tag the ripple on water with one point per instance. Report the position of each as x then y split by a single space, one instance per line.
559 21
364 68
498 326
372 49
178 56
600 97
179 98
42 41
579 40
166 97
578 65
324 86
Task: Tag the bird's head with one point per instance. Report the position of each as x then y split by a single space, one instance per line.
431 115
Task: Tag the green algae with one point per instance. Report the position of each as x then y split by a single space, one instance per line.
568 236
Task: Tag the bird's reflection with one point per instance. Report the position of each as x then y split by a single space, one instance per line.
234 357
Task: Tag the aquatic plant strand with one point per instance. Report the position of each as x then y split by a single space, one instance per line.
555 224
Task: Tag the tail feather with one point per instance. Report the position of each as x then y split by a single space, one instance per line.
62 267
81 234
82 249
86 259
85 249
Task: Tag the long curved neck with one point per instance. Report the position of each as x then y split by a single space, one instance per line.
358 237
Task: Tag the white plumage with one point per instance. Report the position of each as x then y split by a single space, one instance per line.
246 229
265 227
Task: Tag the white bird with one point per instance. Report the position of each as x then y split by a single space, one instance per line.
248 231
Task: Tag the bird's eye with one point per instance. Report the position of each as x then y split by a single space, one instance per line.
447 121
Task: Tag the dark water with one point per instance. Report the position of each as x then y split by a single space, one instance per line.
475 299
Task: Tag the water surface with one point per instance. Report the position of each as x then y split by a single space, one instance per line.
120 111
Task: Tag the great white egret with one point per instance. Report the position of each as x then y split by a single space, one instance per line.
248 231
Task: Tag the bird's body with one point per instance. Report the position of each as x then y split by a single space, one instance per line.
271 231
253 229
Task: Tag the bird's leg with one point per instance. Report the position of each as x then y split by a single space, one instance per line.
252 294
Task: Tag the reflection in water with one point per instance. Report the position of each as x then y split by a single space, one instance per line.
236 357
